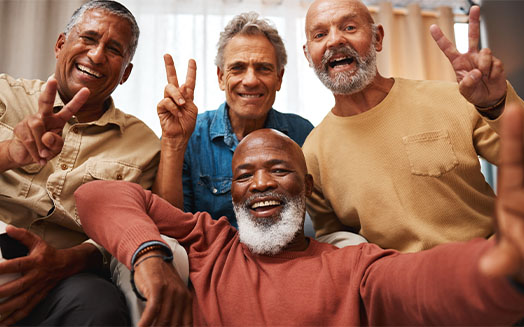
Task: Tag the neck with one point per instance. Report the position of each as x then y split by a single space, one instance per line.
242 127
299 243
91 111
362 101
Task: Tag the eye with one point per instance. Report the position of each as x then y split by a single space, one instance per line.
87 39
280 171
350 28
242 177
115 51
319 35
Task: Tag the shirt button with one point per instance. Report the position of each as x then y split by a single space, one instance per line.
119 177
215 190
63 166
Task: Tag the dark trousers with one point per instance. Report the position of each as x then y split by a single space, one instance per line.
81 300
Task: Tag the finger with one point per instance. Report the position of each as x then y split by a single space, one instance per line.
168 310
511 173
54 144
174 93
485 60
37 127
25 303
497 70
443 43
474 28
24 136
191 76
187 319
170 70
149 314
46 100
469 82
72 107
27 238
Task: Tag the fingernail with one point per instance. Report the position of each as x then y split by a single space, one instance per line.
181 101
44 153
42 162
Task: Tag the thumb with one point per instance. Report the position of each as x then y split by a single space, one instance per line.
501 260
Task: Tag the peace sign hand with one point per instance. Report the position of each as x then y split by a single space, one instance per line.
177 112
37 138
481 76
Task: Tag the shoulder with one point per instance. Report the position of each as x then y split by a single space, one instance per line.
297 127
135 127
25 85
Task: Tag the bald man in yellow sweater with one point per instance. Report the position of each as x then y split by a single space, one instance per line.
397 160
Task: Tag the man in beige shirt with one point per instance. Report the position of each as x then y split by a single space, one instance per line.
54 137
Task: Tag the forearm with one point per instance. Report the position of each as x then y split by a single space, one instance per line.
168 181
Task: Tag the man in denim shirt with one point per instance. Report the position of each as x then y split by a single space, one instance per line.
250 66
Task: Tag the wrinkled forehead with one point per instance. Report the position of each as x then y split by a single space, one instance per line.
324 11
268 145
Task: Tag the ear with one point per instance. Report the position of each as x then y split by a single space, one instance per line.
309 184
221 82
59 44
379 38
304 49
280 77
127 72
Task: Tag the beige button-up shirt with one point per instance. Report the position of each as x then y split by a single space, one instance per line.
117 146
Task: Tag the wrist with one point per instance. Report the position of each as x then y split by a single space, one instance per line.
494 110
7 162
178 144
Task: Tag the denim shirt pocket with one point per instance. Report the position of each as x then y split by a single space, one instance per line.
430 153
215 185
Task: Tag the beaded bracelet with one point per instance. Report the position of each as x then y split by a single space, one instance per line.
166 258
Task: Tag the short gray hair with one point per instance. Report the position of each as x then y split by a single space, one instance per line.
113 7
250 24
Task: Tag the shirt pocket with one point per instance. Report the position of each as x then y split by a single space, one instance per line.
215 185
430 153
111 170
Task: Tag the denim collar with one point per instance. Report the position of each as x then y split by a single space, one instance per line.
221 125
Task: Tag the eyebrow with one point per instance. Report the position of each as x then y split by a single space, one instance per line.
271 162
344 18
110 42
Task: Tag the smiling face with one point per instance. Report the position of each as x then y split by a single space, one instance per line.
249 77
270 185
95 55
342 44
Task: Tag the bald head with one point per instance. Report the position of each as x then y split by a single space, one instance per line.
350 7
261 139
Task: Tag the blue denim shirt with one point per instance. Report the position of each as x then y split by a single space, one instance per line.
207 161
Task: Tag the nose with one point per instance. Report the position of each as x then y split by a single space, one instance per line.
96 54
262 181
250 77
335 38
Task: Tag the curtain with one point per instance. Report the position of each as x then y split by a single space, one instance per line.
190 29
28 33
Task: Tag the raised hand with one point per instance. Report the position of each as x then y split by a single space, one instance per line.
169 301
507 257
177 112
481 76
37 138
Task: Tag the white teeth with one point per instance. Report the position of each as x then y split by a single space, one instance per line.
265 204
89 71
250 95
339 59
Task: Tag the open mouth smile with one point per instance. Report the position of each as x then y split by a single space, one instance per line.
341 61
250 95
265 205
88 71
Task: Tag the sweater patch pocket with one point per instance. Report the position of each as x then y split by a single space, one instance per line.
430 153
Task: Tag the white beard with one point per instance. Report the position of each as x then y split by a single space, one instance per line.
348 82
268 236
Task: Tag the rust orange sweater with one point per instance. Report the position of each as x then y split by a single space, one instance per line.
322 286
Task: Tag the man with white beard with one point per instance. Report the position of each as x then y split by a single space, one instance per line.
396 160
243 279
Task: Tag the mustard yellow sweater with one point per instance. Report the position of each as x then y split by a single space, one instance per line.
405 173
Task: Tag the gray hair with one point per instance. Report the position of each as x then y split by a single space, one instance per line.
113 7
250 24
